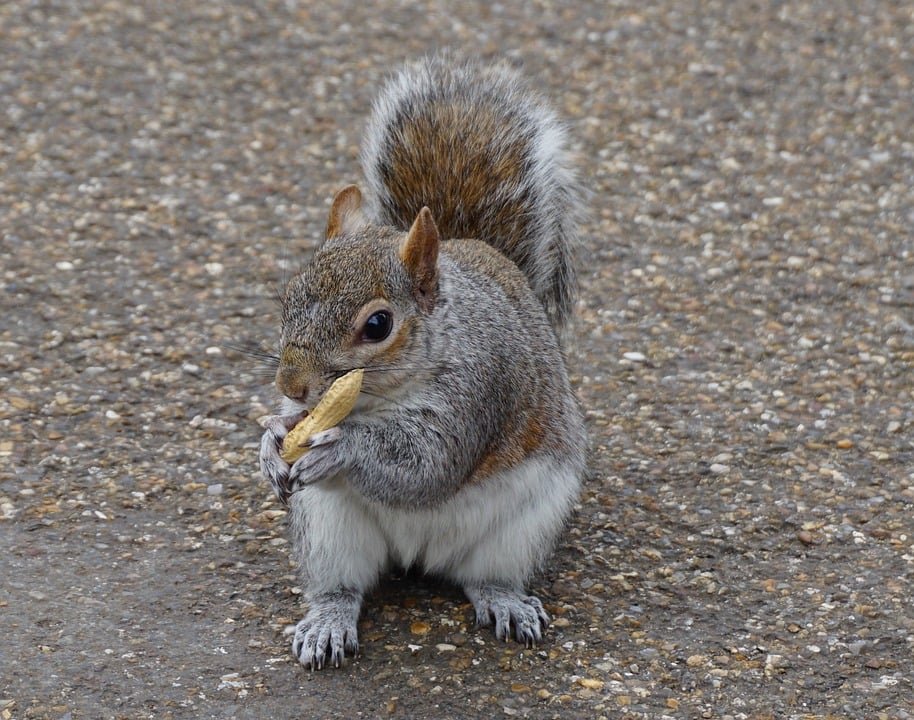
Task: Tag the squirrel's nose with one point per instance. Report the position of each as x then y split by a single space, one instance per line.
291 382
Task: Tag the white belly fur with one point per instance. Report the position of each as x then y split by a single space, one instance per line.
499 530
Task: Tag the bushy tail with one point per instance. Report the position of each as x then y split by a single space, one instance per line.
489 158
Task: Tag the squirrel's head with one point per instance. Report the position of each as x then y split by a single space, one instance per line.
360 303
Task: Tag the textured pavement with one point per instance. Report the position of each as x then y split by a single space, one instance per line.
744 546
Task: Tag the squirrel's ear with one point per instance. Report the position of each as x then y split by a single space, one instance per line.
419 253
345 212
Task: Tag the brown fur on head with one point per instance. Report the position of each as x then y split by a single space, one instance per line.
360 270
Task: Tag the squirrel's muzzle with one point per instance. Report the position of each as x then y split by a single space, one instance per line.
291 382
292 377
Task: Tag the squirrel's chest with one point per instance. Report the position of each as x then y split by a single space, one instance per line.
440 538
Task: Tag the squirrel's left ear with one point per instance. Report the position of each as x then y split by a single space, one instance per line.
345 212
419 253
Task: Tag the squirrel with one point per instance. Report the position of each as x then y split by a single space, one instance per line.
451 286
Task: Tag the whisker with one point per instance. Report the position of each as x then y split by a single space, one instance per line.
254 352
386 368
280 283
263 373
283 275
269 361
382 397
279 294
336 374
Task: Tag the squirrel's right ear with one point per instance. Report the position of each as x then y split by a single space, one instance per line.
419 253
345 212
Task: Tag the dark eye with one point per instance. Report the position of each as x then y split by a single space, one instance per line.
378 326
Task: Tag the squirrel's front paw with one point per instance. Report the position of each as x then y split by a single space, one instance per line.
274 468
322 461
509 608
329 628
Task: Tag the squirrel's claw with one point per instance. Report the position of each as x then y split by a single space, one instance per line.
512 612
329 629
274 468
320 463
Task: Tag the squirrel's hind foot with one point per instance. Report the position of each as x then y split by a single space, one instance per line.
328 630
509 609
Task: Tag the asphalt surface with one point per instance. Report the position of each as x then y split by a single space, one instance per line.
744 545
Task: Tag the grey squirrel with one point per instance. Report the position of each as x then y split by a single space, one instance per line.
451 286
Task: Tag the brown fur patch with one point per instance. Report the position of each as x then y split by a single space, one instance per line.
291 356
438 163
513 449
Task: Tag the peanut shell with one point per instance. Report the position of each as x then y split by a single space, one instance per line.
333 407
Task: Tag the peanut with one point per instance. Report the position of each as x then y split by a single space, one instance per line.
333 407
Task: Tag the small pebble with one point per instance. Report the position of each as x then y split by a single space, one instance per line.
420 628
591 683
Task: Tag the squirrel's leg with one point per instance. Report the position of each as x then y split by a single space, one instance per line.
525 512
509 608
341 552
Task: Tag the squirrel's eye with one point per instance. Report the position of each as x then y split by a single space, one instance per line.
378 326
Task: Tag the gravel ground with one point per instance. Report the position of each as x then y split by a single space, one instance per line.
744 546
